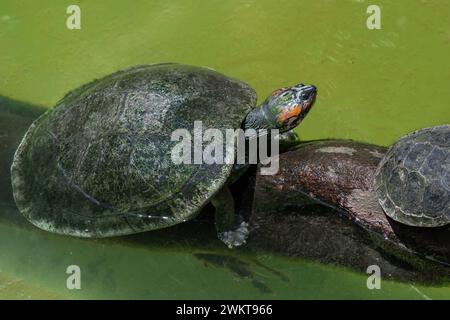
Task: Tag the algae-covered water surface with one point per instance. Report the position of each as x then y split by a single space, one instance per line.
375 85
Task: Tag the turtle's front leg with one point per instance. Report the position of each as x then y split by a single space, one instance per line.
231 227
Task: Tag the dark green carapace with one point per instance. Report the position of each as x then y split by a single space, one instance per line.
99 164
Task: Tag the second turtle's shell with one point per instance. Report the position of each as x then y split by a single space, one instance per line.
413 179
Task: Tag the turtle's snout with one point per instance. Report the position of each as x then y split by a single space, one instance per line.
307 93
311 89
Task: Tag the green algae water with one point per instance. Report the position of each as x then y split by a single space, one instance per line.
374 86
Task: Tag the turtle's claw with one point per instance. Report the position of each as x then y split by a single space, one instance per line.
236 237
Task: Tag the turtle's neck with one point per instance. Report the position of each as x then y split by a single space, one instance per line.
258 118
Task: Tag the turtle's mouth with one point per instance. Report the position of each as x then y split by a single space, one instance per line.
309 103
309 96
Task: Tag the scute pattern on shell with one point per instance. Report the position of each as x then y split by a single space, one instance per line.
99 163
413 179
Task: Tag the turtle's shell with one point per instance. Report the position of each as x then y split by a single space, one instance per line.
413 179
99 163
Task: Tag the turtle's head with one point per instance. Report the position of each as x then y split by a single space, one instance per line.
285 108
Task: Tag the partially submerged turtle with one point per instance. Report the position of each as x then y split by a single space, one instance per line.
413 179
411 182
369 184
99 163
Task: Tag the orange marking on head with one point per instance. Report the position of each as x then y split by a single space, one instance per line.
292 112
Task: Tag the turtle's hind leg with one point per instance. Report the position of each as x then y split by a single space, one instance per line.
231 227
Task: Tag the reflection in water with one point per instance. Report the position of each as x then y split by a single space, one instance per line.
240 268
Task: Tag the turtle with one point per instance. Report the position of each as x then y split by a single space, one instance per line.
324 191
412 181
100 164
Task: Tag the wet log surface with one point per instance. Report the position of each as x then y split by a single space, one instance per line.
344 224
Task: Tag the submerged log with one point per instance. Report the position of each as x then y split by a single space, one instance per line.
321 205
350 230
15 118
